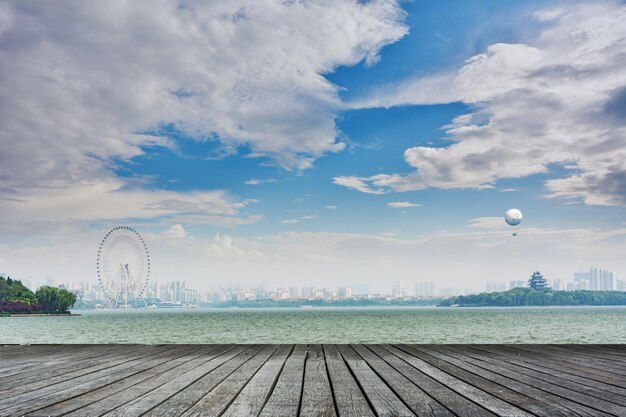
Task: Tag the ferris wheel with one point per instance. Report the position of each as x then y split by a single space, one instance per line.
123 266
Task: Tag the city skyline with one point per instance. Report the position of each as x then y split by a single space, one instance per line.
265 144
179 291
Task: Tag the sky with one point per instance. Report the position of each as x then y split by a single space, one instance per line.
314 143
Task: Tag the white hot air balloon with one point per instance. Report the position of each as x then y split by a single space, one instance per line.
513 217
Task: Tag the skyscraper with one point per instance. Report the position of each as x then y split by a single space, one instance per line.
397 289
425 289
600 279
344 292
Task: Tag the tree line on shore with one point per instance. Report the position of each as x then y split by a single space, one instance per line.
531 297
15 298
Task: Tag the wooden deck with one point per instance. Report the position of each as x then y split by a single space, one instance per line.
313 380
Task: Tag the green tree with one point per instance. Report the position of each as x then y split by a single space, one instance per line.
14 291
54 299
531 297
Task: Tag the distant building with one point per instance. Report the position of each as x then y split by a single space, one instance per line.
293 293
597 279
621 285
425 289
344 293
537 282
496 286
397 289
559 285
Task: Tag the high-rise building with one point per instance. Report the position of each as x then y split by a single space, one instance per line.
282 294
620 285
425 289
599 279
582 280
559 285
293 293
397 289
344 293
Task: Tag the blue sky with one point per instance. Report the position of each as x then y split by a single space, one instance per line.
256 152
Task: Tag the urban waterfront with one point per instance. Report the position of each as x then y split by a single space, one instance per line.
325 325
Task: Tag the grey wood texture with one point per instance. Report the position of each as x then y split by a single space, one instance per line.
313 380
317 397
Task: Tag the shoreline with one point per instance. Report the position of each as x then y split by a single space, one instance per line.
39 315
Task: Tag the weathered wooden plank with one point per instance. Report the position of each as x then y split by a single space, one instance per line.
349 399
53 358
43 378
424 380
596 351
180 394
17 354
109 397
220 397
532 358
285 398
384 401
590 360
526 398
486 400
47 377
452 400
612 349
558 395
31 401
588 394
80 360
255 394
574 376
317 398
414 397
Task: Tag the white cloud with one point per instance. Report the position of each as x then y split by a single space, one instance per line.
86 86
177 231
298 220
79 81
256 181
489 223
331 207
357 183
110 201
223 247
557 101
403 204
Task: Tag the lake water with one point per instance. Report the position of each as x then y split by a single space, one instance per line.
327 325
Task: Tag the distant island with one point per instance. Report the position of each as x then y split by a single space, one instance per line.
16 299
531 297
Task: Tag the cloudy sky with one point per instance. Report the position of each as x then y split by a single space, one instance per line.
314 142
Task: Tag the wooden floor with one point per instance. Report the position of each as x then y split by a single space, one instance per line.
313 380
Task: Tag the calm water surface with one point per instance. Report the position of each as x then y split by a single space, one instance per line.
346 325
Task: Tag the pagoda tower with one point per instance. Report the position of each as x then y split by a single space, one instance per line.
537 282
